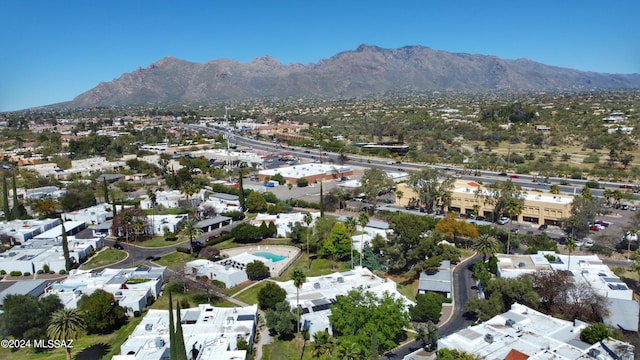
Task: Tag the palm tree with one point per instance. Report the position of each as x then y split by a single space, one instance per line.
399 195
632 233
323 344
351 223
191 229
298 279
487 246
65 324
153 198
513 208
570 245
308 219
363 219
349 351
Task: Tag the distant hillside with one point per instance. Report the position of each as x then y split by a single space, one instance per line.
367 70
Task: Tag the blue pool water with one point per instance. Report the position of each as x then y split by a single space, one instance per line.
270 256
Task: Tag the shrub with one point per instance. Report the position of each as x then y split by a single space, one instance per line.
16 273
39 272
2 272
220 284
62 272
26 274
46 268
184 303
183 249
137 313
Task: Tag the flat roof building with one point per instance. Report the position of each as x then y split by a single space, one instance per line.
538 207
210 333
313 172
523 332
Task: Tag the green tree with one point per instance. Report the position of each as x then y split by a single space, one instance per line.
428 307
26 317
5 199
308 219
102 313
192 230
256 202
323 344
355 316
363 220
338 244
347 350
513 207
570 245
257 270
281 319
375 181
65 324
595 333
487 246
500 194
65 248
44 207
449 354
270 295
298 278
432 187
428 334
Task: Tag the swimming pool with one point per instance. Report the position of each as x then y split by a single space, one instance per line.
270 256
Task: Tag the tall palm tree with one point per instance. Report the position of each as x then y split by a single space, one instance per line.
570 245
298 279
363 219
513 208
399 195
308 219
191 229
349 351
351 223
65 324
487 246
323 344
631 234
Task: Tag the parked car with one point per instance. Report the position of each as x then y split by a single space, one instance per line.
588 243
594 228
515 230
579 243
118 246
602 223
543 227
504 220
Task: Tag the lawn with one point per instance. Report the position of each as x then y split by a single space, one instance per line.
173 258
284 350
87 347
250 296
105 257
162 303
319 266
159 241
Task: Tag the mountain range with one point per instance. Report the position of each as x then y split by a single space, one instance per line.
368 70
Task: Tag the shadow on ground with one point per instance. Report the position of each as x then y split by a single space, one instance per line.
93 352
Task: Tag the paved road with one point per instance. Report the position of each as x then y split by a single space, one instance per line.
462 291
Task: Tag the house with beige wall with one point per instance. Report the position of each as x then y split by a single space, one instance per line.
466 196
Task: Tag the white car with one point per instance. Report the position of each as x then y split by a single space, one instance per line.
504 220
588 243
579 243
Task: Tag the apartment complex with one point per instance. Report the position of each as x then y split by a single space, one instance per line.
467 197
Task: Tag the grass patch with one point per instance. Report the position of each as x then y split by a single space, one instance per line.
285 350
81 347
236 289
159 241
105 257
173 259
319 266
162 303
250 296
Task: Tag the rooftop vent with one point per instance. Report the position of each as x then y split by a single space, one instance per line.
521 264
316 285
594 353
341 279
159 342
148 327
510 323
488 338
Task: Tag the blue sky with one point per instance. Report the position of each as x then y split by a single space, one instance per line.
53 51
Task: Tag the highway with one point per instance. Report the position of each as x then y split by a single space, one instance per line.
527 182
